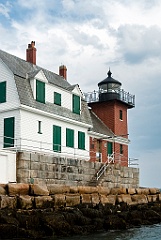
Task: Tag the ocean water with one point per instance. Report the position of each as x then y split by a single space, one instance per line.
142 233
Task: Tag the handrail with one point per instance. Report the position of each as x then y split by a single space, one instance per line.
110 159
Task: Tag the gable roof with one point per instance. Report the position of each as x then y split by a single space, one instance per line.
99 127
24 70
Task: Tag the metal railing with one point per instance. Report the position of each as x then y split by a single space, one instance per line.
110 159
23 144
122 95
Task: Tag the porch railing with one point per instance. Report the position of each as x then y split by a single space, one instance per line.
23 144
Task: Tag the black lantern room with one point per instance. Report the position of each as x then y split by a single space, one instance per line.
109 88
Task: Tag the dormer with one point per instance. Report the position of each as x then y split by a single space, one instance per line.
76 99
37 82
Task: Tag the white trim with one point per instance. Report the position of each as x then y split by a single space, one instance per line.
51 115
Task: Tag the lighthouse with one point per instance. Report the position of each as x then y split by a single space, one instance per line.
111 103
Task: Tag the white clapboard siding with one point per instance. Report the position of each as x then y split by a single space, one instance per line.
8 114
12 99
66 96
8 166
32 139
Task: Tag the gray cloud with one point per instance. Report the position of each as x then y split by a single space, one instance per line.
138 43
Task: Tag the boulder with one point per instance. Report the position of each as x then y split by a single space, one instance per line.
59 200
110 199
18 189
72 200
152 198
2 190
124 198
39 190
103 190
25 201
8 202
57 189
139 198
87 189
131 191
95 198
86 198
43 202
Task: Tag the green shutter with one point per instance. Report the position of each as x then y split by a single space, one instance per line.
40 91
76 104
109 148
81 140
56 138
9 132
69 137
57 98
2 92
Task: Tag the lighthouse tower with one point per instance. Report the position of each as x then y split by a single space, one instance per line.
111 105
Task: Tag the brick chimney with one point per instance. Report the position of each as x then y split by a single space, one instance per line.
31 53
63 71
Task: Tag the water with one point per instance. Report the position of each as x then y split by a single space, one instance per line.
144 233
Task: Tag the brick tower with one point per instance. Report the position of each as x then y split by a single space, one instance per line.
111 107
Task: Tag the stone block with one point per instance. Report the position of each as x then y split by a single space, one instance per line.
23 155
154 191
131 191
116 191
86 198
35 157
73 189
43 202
87 189
72 200
2 190
95 198
23 164
18 189
152 198
159 197
8 202
103 190
139 198
37 189
59 200
110 199
125 198
25 201
145 191
138 191
23 173
57 189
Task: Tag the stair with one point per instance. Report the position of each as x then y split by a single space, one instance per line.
99 176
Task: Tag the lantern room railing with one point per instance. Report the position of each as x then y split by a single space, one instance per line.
121 95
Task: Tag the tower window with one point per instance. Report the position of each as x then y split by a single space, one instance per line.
121 115
121 149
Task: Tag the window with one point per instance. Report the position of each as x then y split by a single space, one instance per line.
56 138
40 91
121 115
39 127
9 125
81 140
57 98
109 148
69 137
2 92
76 104
121 149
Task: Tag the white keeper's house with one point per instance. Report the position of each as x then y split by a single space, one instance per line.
41 111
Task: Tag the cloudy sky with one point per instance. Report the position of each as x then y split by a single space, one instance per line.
89 36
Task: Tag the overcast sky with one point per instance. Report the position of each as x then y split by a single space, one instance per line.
89 36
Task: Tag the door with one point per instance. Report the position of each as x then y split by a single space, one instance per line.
56 138
109 148
9 125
